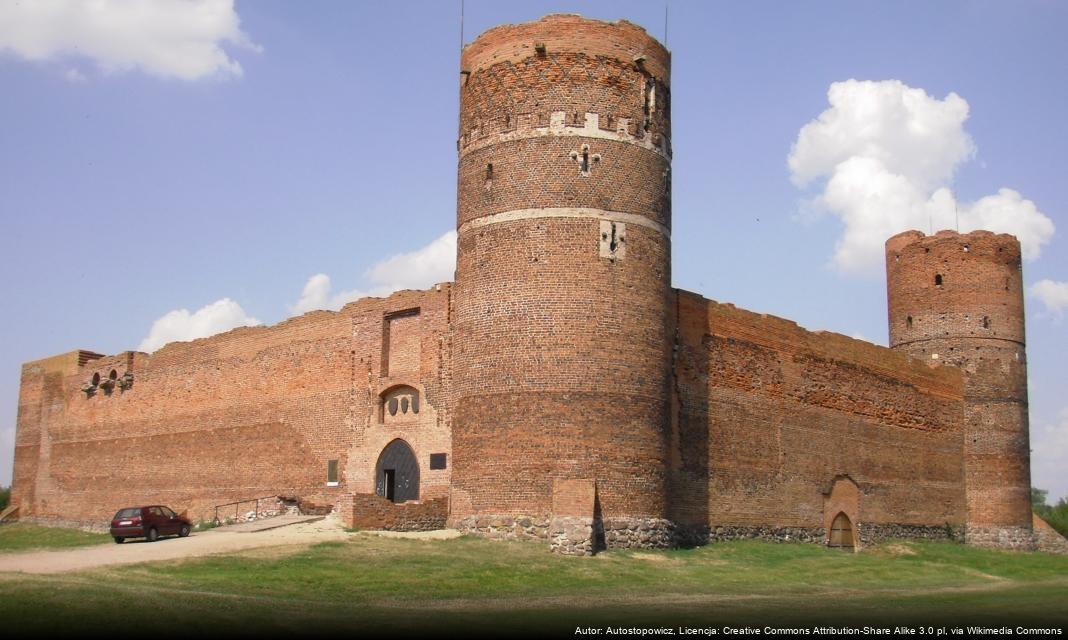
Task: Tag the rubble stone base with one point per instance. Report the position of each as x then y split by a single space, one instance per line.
572 536
1013 538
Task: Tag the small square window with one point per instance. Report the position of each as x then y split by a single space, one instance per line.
331 473
437 461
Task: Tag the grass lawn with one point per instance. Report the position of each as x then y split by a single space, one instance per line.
480 587
26 537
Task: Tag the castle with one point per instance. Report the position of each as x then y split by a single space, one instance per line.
560 389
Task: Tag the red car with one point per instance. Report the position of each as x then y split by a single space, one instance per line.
149 523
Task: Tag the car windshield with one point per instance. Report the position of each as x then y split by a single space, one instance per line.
132 512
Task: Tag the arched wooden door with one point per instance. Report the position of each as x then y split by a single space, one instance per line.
841 532
397 473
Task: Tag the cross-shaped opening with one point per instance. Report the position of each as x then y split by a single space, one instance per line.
584 158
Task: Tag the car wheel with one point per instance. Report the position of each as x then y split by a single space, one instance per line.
184 531
153 535
119 539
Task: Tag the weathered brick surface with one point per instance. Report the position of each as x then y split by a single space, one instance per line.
249 413
577 399
368 511
562 357
770 415
539 173
958 299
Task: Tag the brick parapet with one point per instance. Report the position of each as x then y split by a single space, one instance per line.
953 285
568 33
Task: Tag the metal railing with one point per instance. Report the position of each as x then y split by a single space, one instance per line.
237 507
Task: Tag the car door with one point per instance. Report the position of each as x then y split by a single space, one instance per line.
173 524
160 521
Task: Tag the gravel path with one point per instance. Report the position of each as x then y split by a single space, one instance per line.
197 544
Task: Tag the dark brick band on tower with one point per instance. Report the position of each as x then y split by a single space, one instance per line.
563 321
958 299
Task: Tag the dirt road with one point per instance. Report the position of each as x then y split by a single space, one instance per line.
223 540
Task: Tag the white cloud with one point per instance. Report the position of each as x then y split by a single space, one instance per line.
318 294
907 131
1053 294
419 269
180 324
436 262
168 38
887 153
1049 453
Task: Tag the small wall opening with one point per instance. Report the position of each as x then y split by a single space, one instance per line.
986 322
332 475
649 103
908 322
938 279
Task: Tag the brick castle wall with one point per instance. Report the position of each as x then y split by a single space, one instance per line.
770 416
245 414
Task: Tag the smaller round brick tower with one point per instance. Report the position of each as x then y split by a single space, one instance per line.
957 299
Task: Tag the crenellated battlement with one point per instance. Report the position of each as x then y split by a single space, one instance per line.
567 33
565 75
947 244
509 127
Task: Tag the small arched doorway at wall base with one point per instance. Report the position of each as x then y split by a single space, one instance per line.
841 534
397 473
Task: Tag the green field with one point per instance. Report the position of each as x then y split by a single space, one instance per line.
480 587
28 537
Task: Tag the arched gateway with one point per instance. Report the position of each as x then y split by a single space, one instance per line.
397 473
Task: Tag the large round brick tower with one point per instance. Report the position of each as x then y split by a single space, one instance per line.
958 299
562 314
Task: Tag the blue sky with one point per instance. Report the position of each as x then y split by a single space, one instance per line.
296 155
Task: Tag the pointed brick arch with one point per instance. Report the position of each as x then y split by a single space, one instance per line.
841 533
841 513
397 472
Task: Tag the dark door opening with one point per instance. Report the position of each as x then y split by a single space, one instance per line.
390 482
841 532
397 473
